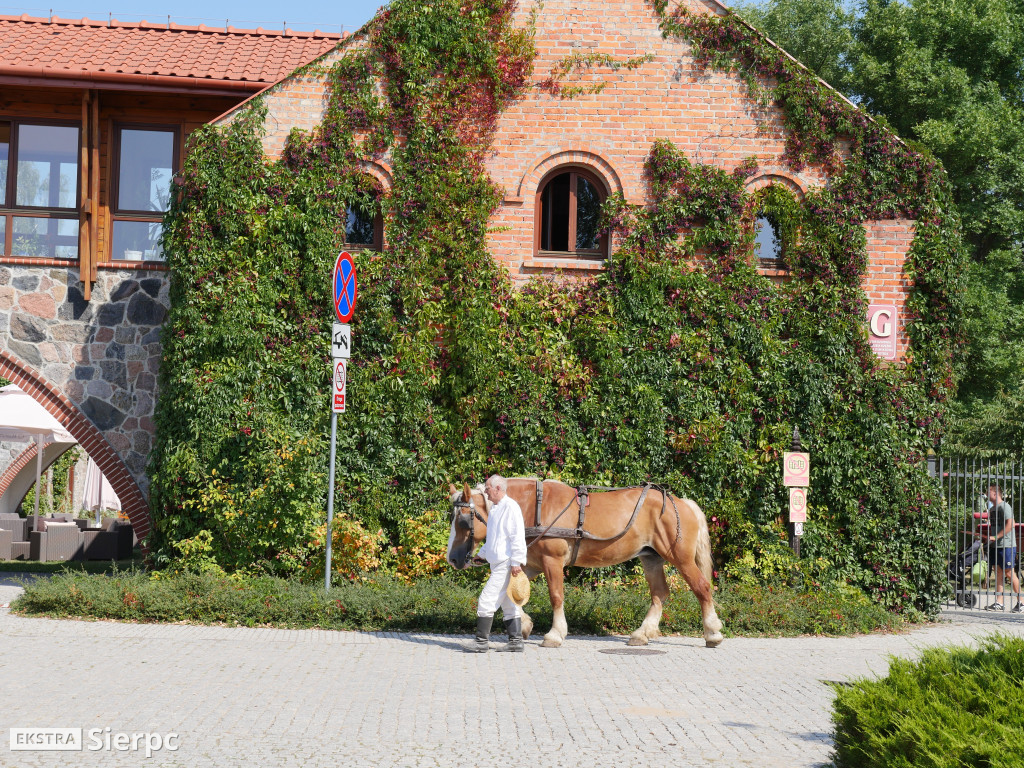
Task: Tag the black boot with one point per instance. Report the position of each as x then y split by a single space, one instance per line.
481 643
514 627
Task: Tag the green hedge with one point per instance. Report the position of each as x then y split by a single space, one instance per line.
955 708
442 604
679 364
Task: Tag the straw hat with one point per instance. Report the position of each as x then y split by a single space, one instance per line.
519 589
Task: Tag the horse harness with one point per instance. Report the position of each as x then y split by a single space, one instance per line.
577 534
582 499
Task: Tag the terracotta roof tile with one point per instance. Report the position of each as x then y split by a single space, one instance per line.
68 47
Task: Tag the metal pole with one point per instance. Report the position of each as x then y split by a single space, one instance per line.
330 501
39 472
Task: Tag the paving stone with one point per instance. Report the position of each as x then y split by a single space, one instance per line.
258 696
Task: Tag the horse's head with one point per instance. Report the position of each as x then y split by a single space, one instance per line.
469 525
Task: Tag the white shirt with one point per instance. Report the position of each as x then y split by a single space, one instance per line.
506 533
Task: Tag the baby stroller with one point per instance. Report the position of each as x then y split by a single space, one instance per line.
960 573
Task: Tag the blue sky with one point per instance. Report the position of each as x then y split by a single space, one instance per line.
300 14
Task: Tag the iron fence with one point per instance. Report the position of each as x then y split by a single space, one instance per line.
975 562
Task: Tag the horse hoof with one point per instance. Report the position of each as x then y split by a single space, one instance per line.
714 641
637 640
551 643
527 630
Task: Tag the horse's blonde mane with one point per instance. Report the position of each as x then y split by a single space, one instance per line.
480 489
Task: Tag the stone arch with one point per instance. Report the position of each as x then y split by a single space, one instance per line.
20 476
133 502
578 156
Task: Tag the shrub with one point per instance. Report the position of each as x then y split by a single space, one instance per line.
444 603
954 707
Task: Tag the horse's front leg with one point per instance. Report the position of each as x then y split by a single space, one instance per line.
531 574
654 572
556 589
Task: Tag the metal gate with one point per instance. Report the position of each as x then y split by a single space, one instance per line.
974 563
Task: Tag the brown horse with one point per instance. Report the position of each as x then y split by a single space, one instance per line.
618 525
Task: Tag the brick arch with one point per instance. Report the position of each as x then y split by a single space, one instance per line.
784 179
26 463
133 503
381 171
579 156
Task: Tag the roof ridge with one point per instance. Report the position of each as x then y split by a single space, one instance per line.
173 27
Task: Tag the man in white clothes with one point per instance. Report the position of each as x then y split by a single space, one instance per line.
505 551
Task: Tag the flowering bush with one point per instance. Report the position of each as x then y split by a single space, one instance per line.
680 364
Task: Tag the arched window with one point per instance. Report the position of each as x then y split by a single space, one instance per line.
777 220
568 211
364 225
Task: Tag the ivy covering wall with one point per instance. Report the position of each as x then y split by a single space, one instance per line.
679 364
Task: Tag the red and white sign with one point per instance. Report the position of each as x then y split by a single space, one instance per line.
340 380
882 325
796 469
798 505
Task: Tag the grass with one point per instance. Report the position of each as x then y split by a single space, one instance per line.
442 604
955 707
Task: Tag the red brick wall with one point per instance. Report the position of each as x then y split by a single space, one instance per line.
886 282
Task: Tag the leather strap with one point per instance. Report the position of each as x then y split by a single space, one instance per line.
540 504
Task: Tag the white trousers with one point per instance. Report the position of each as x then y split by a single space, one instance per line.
495 593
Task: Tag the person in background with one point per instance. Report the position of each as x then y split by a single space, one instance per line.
1002 546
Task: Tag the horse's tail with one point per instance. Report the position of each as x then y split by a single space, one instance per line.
703 556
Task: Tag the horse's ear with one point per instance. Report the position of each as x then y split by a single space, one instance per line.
466 495
452 488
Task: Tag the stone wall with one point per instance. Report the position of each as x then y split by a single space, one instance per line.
103 355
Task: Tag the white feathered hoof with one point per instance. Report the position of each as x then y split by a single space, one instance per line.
637 638
527 627
551 641
713 641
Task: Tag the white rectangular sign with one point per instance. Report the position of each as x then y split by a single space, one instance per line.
339 386
341 341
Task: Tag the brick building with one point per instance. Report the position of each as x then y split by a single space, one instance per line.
80 315
557 158
94 117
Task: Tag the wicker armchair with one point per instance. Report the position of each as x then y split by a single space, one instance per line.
59 542
6 536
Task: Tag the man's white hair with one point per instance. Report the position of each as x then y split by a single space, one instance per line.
498 482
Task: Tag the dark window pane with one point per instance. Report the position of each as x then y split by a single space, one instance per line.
554 234
767 246
588 213
45 238
359 229
5 149
137 241
145 170
47 166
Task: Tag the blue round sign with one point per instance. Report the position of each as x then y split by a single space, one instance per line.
346 288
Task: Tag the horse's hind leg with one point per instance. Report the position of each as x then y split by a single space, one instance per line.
654 572
702 591
556 589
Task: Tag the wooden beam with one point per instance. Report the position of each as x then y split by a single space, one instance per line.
94 198
84 238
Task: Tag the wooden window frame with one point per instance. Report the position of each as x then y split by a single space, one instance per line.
10 210
601 252
116 213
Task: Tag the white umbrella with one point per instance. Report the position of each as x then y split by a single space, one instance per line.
23 420
99 495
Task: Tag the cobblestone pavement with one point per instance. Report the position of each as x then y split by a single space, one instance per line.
267 697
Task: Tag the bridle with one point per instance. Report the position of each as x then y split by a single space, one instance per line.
464 519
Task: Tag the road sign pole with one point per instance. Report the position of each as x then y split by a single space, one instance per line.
330 500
